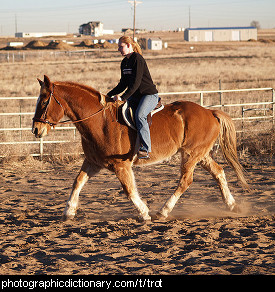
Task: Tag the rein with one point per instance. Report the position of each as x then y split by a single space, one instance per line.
46 121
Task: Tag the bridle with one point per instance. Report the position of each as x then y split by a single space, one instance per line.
44 120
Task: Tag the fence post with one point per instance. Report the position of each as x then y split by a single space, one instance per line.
20 121
243 110
221 95
273 106
201 98
41 148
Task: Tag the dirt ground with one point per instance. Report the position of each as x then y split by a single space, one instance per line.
200 236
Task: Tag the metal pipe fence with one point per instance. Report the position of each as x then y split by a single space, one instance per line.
245 107
53 55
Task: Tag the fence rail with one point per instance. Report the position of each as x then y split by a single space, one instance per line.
53 55
201 95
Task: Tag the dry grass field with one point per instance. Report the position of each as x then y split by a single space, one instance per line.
200 236
179 68
182 67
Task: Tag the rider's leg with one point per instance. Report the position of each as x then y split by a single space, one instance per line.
145 106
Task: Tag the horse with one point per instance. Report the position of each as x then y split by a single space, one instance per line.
181 127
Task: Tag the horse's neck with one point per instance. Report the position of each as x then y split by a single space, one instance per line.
78 102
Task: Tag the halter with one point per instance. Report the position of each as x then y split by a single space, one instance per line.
44 120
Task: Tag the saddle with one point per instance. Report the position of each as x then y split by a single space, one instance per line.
128 114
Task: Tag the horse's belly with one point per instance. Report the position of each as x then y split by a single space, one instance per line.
167 134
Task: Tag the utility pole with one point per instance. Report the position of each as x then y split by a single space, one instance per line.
189 16
15 22
135 3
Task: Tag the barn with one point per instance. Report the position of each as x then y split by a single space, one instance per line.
222 34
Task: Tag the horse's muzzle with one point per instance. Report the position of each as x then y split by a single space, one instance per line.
35 132
39 130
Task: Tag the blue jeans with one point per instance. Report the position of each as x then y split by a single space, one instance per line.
145 106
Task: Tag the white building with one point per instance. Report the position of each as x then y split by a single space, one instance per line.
38 34
94 28
154 44
108 31
222 34
15 44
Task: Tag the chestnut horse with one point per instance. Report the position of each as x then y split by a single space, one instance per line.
183 127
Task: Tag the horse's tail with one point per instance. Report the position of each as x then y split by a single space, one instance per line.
228 143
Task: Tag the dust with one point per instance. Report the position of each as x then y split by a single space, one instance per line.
199 237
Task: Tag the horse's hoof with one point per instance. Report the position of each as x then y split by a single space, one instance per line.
236 209
67 217
159 217
144 220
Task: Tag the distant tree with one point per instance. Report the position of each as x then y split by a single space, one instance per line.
255 23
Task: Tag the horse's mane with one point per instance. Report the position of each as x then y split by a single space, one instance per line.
86 88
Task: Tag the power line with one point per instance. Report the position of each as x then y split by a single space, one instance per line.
98 4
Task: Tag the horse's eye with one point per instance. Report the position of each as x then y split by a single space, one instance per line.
44 102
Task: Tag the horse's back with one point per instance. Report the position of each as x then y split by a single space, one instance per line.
190 113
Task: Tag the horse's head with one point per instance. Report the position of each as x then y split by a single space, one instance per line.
48 109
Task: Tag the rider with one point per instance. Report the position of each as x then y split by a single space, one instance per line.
141 92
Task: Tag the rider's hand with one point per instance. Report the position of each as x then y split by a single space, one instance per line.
116 97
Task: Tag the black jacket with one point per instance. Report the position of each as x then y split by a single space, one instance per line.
135 76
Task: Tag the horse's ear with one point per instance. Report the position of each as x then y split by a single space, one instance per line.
102 99
40 81
47 81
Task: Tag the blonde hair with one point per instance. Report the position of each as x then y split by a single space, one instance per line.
129 40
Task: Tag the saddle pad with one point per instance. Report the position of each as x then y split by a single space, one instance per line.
127 113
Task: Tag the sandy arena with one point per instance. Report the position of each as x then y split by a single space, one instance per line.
200 237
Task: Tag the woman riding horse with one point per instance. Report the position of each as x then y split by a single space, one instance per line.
183 127
141 92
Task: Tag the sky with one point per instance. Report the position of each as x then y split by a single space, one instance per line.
68 15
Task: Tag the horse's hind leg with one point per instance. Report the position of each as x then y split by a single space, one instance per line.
187 169
126 177
218 174
86 171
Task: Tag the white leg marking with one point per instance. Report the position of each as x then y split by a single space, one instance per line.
226 194
141 206
185 181
126 177
169 205
72 203
218 174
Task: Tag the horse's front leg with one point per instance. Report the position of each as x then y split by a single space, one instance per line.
126 177
85 173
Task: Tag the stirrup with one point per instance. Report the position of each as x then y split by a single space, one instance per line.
143 154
